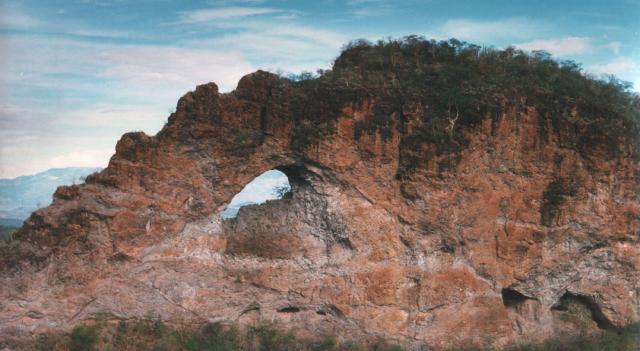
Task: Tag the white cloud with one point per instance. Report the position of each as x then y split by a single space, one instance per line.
82 158
12 17
317 36
620 65
85 95
614 46
276 40
96 33
489 31
174 68
120 117
371 8
560 47
269 48
28 154
225 13
625 68
272 46
41 62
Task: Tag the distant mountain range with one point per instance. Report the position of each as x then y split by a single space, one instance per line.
22 195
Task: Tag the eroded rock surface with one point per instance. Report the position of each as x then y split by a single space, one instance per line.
494 243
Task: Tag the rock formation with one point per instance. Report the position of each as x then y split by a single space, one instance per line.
384 236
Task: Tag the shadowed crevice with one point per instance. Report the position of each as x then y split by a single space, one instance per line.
575 303
512 298
289 309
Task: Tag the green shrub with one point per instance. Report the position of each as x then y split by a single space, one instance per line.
213 337
327 344
624 339
387 347
152 324
269 338
135 335
83 338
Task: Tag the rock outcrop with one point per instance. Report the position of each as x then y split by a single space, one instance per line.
382 236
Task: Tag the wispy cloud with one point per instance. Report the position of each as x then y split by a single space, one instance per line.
225 13
82 158
15 18
614 46
120 117
67 85
490 31
617 66
371 8
12 17
174 66
276 45
63 88
560 47
625 67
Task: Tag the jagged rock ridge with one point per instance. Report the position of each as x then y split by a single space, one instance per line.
427 207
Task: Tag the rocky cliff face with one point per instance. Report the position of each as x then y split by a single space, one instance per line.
501 238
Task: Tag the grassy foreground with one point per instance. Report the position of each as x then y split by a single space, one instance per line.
154 335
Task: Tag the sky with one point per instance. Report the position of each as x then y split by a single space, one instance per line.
77 74
263 188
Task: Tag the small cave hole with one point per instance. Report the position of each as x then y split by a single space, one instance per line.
512 298
270 185
289 309
583 307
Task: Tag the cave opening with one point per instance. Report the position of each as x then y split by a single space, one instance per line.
270 185
584 307
512 298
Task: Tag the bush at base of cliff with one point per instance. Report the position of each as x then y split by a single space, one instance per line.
83 338
625 339
153 334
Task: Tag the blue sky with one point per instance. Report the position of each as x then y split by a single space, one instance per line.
75 75
263 188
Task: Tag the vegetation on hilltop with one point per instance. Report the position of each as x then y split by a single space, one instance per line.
455 85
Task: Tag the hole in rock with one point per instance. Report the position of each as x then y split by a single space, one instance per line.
289 309
270 185
513 298
583 307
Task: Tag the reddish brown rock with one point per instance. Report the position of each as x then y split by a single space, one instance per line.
451 253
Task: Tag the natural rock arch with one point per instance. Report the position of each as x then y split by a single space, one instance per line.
300 224
389 233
